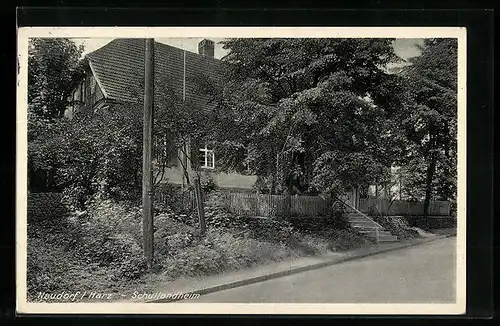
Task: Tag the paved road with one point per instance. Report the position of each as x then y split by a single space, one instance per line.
423 274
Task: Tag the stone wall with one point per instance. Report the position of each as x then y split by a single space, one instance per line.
45 206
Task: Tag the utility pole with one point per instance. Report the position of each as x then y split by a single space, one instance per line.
147 173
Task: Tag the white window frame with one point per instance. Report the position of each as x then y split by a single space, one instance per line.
205 152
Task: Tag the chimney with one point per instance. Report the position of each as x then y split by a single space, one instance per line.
206 48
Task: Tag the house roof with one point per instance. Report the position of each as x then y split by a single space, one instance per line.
119 69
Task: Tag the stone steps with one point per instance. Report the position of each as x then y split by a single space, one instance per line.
369 228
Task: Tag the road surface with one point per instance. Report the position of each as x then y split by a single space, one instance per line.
422 274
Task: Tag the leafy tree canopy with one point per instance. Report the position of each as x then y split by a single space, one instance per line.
429 119
308 115
53 64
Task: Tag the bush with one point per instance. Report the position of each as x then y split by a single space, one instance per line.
172 236
244 251
101 248
92 154
111 237
98 248
47 267
174 200
347 239
273 230
197 260
397 226
218 217
208 184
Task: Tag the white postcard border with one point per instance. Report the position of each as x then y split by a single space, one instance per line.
24 33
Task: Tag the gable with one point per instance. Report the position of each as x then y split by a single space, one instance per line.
119 69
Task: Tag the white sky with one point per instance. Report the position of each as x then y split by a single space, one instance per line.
405 48
189 44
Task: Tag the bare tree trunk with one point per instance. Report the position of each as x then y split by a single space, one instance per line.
400 187
184 170
199 203
198 191
184 163
428 186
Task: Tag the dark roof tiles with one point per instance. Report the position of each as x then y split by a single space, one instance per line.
119 68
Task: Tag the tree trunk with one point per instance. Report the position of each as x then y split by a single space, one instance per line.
288 205
199 203
184 163
288 200
428 186
447 152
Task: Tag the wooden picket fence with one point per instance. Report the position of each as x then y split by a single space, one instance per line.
382 206
184 201
265 205
250 204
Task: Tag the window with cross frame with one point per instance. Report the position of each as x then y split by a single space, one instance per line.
207 158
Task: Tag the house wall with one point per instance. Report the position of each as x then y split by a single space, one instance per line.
223 180
233 181
92 97
83 98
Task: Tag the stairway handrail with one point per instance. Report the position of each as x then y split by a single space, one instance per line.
358 211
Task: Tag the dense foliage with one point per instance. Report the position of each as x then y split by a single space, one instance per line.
53 64
429 121
308 115
100 250
92 155
305 115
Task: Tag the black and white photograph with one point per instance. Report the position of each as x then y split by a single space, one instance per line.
243 170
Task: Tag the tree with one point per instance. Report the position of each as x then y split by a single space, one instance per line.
42 153
308 115
93 155
430 119
182 124
53 64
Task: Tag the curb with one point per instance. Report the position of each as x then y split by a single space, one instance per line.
262 278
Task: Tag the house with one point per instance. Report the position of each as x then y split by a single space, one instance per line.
115 71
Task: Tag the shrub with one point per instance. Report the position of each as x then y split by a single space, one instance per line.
173 200
118 217
218 217
101 248
208 184
347 239
108 236
197 260
276 230
111 236
243 251
172 236
89 155
47 268
397 226
314 244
